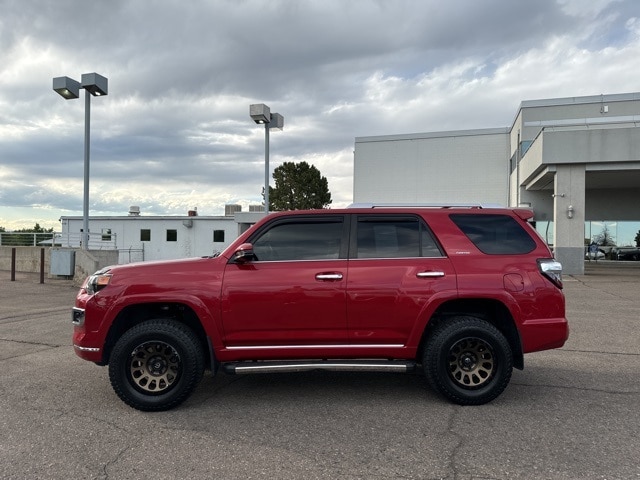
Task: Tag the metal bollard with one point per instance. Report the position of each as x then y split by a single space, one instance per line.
13 264
42 265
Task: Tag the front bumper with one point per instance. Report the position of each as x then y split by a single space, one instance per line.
85 345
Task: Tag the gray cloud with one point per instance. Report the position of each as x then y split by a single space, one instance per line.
174 131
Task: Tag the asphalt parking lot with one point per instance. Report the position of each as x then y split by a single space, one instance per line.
573 413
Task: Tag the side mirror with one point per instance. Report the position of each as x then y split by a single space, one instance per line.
244 253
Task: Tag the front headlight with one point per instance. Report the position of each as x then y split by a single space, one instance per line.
97 282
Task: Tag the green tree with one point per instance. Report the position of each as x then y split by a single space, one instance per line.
637 239
25 237
299 186
605 238
36 229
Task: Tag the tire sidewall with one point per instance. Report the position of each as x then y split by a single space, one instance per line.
191 365
437 361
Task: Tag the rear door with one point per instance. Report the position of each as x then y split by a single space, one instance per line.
396 268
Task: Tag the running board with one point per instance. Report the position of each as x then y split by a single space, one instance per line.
234 368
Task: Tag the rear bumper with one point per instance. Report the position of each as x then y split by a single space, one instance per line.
544 334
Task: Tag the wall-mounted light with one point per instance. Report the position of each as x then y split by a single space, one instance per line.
570 211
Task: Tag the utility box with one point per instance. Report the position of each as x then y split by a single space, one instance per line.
63 262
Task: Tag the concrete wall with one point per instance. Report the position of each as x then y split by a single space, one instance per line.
589 146
27 259
89 262
589 110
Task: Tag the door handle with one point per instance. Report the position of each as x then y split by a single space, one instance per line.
429 274
329 276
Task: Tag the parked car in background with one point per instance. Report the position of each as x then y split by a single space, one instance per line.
627 253
597 255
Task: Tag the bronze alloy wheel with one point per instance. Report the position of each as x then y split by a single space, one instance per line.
154 366
471 362
468 360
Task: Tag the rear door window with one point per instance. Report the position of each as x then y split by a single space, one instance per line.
495 234
394 237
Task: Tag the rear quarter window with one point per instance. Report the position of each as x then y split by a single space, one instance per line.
495 234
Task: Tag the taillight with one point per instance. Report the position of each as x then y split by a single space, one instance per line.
552 269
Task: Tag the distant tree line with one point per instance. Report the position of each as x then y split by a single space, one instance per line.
25 236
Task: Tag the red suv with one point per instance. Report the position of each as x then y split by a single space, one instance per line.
462 292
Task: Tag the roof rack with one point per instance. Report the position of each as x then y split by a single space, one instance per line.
425 205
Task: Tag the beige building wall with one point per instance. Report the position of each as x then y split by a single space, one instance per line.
462 166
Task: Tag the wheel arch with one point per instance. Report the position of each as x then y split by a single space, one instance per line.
135 314
489 310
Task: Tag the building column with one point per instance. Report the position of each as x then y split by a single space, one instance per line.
569 216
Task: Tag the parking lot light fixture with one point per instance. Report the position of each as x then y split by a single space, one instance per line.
96 85
261 114
67 87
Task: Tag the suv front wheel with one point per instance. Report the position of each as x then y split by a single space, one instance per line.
156 365
467 360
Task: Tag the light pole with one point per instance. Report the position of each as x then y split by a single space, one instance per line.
261 114
69 89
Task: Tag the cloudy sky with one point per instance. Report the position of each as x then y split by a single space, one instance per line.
174 132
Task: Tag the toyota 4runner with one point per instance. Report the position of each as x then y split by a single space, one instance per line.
462 292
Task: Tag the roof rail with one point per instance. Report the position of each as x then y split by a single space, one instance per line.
424 205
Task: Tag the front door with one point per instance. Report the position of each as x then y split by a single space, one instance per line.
294 291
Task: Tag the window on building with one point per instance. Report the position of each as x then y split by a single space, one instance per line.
218 235
106 234
172 235
145 235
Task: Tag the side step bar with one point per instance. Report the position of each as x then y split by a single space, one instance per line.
234 368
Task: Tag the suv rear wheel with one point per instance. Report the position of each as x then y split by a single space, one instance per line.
156 365
467 360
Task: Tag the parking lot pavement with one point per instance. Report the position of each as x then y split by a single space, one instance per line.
573 413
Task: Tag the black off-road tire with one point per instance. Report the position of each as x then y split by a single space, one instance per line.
467 360
156 365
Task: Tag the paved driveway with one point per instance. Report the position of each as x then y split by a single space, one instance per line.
573 413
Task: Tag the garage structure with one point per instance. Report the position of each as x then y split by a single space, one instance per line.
573 160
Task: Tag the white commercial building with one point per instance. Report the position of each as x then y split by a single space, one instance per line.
143 238
575 161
